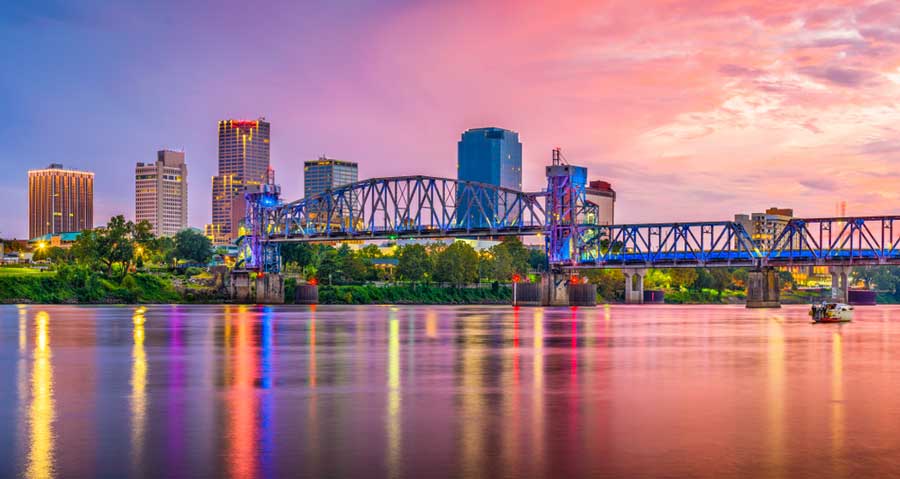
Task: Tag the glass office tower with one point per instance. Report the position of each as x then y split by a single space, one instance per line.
492 156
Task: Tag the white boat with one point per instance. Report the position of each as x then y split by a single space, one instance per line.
831 313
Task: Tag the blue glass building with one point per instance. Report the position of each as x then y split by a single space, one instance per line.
492 156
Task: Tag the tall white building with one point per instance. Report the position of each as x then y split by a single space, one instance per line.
161 193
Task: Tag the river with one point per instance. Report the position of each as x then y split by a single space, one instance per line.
441 391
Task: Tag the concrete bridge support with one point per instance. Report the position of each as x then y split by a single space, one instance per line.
763 289
634 285
248 287
553 289
840 283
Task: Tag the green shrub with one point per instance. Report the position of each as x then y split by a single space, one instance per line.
412 294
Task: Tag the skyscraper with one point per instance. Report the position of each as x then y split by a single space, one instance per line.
243 162
59 201
492 156
160 193
324 173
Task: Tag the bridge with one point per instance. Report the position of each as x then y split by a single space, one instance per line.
433 207
844 241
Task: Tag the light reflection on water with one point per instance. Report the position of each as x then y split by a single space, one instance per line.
413 391
41 411
138 391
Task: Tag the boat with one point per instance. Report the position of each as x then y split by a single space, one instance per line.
831 313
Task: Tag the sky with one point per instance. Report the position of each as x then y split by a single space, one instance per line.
693 109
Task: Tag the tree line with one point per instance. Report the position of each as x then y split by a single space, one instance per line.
122 246
456 263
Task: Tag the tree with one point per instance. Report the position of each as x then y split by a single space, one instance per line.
886 278
352 268
103 248
300 253
537 260
682 277
457 264
329 266
519 254
143 233
161 250
610 283
413 263
192 246
506 259
721 279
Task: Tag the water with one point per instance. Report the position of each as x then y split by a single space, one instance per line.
420 391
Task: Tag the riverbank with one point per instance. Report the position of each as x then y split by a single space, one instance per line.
77 286
80 286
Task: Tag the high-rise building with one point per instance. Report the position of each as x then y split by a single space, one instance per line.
243 162
325 173
59 201
160 193
492 156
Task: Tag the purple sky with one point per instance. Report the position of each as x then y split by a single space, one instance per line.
694 110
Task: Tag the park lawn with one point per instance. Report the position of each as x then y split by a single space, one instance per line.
18 271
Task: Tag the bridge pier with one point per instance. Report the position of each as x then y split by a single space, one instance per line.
763 289
840 281
247 287
634 295
553 289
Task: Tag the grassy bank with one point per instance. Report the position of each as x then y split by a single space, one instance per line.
85 287
78 285
409 294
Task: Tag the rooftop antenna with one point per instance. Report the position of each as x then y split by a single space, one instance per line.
558 157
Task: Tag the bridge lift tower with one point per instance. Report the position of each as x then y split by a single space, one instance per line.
571 223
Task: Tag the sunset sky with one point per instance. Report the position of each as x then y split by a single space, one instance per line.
694 110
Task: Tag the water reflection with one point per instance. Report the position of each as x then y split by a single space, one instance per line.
472 439
267 382
393 399
537 407
656 391
42 411
776 399
138 390
242 424
512 405
22 380
837 397
311 445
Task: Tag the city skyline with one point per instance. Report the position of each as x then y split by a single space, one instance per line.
760 105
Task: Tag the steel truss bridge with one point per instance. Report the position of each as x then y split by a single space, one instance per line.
416 206
390 208
432 207
848 241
